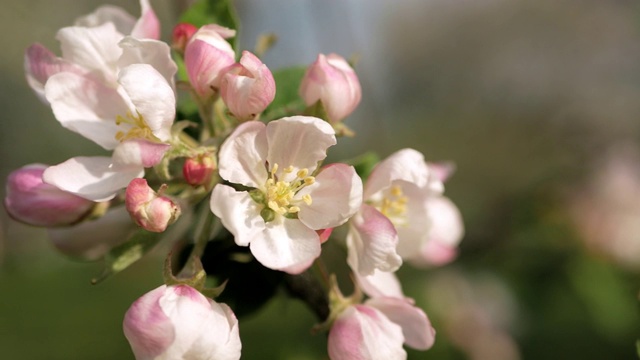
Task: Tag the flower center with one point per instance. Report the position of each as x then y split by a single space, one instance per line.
279 196
138 128
393 205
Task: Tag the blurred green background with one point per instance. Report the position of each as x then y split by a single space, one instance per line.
536 101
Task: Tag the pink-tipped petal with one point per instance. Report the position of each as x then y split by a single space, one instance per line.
372 242
138 153
40 64
148 25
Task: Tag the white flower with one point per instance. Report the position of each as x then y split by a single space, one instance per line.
178 322
134 120
290 198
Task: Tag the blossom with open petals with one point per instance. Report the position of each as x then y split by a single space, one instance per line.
134 120
178 322
289 198
404 216
91 45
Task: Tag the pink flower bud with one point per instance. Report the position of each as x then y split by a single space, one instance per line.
332 81
178 322
151 211
363 332
30 200
198 170
182 33
248 87
206 55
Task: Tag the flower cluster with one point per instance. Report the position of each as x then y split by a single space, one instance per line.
234 156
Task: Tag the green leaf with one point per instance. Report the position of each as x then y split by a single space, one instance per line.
220 12
121 257
287 101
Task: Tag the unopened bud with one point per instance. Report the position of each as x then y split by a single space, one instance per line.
199 169
150 210
332 81
206 55
30 200
247 88
182 33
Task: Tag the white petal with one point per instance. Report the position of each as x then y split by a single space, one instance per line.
287 245
94 48
242 156
152 97
86 106
152 52
446 222
138 153
380 283
238 213
405 164
298 141
90 177
371 242
416 327
122 20
90 240
336 196
414 234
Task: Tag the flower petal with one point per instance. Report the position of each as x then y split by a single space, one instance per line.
298 141
242 156
336 196
138 153
94 48
416 327
287 245
405 164
371 242
414 233
380 283
40 64
122 20
148 25
238 213
86 106
152 52
152 97
90 240
90 177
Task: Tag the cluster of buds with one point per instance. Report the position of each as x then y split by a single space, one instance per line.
233 162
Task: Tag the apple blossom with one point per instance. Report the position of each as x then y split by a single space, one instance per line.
30 200
332 81
91 45
289 198
134 120
178 322
206 55
362 332
150 210
403 197
247 88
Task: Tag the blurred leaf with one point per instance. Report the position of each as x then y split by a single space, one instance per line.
611 304
220 12
287 101
123 256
